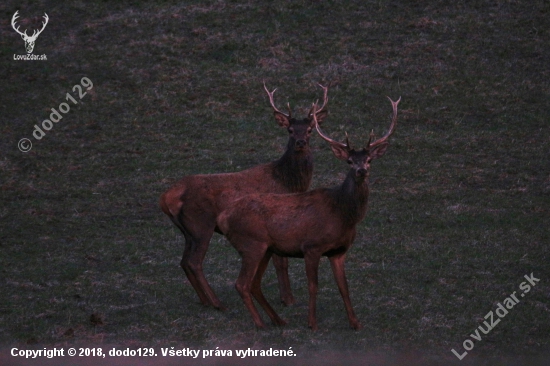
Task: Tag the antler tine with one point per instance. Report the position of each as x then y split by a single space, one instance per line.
371 136
310 113
326 138
43 24
392 125
325 100
13 21
270 94
325 96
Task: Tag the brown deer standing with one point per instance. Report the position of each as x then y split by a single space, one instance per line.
195 202
310 225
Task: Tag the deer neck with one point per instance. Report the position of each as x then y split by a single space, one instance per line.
351 198
294 169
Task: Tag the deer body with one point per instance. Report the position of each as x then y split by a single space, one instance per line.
288 223
313 224
195 202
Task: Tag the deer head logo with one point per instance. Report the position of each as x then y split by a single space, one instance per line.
29 40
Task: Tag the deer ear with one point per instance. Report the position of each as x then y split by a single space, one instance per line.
379 150
341 152
321 115
281 119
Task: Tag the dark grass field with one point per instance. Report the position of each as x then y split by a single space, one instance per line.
459 210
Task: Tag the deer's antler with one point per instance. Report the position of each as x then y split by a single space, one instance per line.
43 26
36 33
325 100
392 126
325 137
13 20
270 94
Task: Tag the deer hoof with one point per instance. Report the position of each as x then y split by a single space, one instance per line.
280 322
288 301
221 307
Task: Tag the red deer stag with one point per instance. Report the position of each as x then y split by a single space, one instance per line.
195 202
310 225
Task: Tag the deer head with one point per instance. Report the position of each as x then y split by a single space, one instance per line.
29 40
360 159
299 130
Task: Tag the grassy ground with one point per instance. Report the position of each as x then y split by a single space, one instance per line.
459 207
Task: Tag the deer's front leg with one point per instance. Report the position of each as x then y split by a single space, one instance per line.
312 267
337 264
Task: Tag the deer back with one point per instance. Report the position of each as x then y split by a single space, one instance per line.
291 173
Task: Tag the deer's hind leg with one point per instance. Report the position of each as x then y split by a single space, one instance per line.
281 268
196 246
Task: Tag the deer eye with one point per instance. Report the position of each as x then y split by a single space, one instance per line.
290 129
350 161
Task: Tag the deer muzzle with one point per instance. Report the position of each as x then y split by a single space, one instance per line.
300 144
361 172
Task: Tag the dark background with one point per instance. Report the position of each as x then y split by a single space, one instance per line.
459 205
